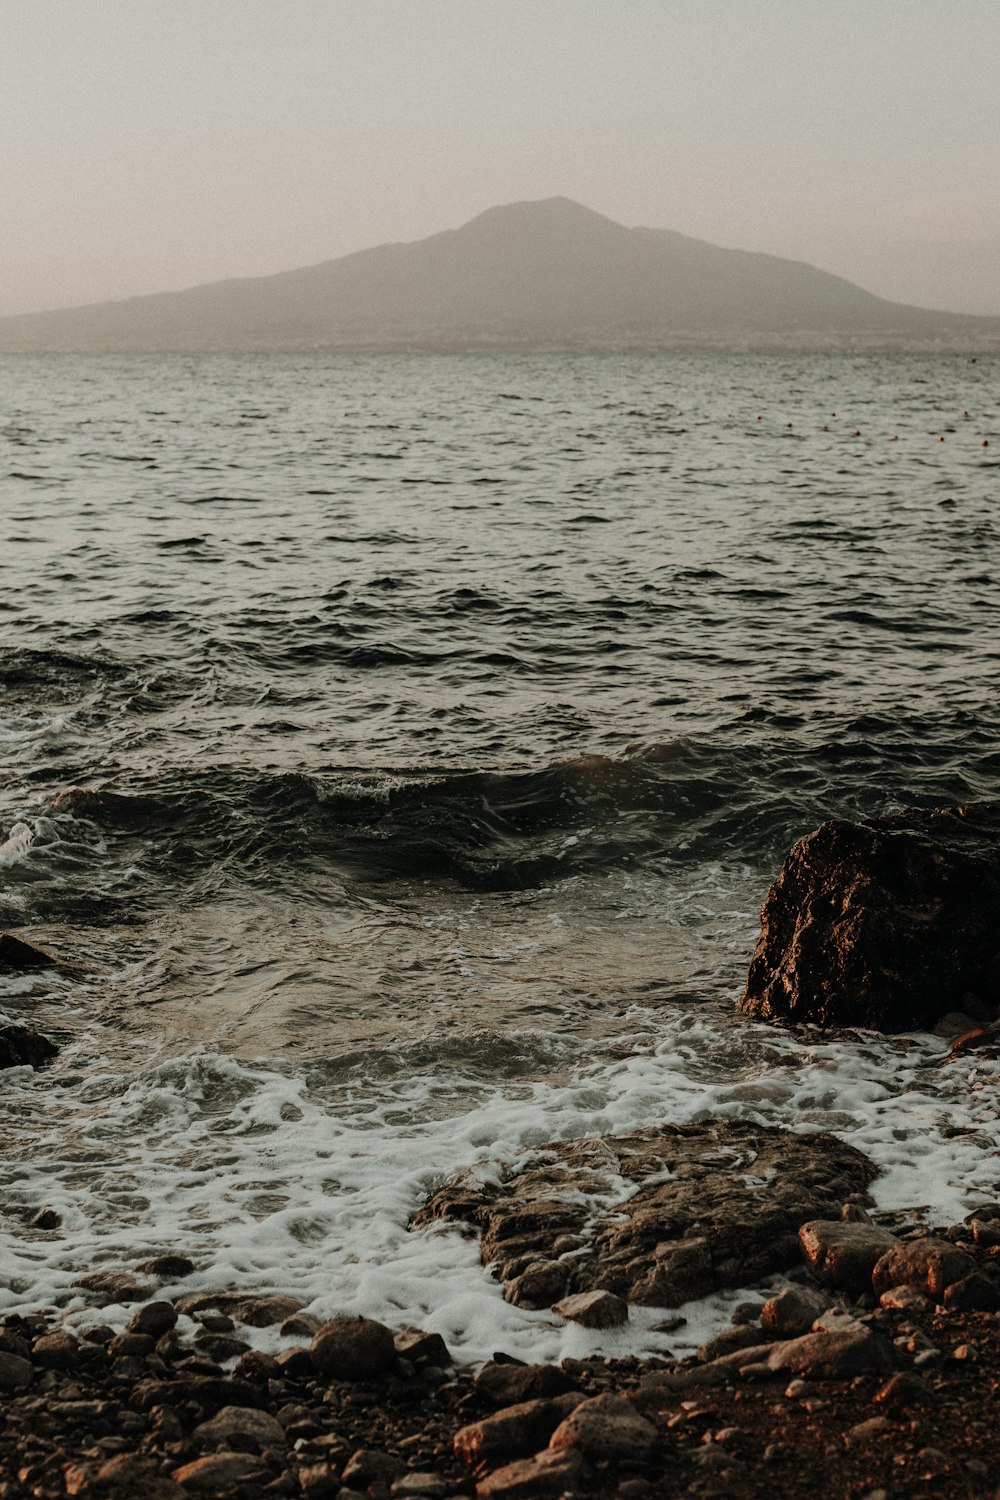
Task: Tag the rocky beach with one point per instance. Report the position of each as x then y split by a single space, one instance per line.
396 753
869 1370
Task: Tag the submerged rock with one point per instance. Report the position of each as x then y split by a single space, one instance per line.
886 923
659 1216
20 1046
18 957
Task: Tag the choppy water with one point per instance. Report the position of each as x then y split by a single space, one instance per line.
400 749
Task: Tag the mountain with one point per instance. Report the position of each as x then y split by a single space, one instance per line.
539 275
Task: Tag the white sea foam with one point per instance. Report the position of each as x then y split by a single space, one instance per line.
16 845
268 1179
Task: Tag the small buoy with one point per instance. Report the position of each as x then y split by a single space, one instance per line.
833 414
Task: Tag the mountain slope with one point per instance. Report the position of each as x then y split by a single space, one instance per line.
548 274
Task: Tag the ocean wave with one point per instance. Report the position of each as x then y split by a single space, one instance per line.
677 802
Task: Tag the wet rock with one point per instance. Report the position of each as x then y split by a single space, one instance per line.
320 1482
732 1341
593 1309
842 1255
904 1299
56 1351
46 1219
512 1433
109 1287
240 1427
505 1385
929 1264
973 1293
353 1349
167 1267
154 1319
420 1486
985 1232
370 1466
15 1373
886 923
831 1354
716 1204
208 1393
222 1474
538 1285
606 1427
19 957
300 1325
20 1047
793 1311
131 1475
553 1472
416 1345
264 1312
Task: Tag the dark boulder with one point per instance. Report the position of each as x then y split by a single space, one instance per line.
659 1216
18 957
20 1047
887 923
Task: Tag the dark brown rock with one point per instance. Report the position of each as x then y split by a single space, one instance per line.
167 1267
265 1311
419 1346
842 1255
109 1287
552 1472
733 1340
240 1427
505 1385
845 1348
593 1309
793 1311
131 1475
222 1474
56 1351
511 1433
19 957
209 1394
884 923
607 1427
45 1219
717 1204
154 1319
973 1293
15 1372
353 1349
371 1466
930 1264
540 1284
21 1047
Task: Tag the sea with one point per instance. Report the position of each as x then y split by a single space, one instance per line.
396 752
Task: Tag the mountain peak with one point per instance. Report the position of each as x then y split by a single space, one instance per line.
557 213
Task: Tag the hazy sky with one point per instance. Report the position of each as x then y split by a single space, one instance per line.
152 144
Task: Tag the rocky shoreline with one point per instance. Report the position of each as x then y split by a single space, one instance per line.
874 1372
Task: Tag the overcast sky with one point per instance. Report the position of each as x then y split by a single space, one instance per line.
154 144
